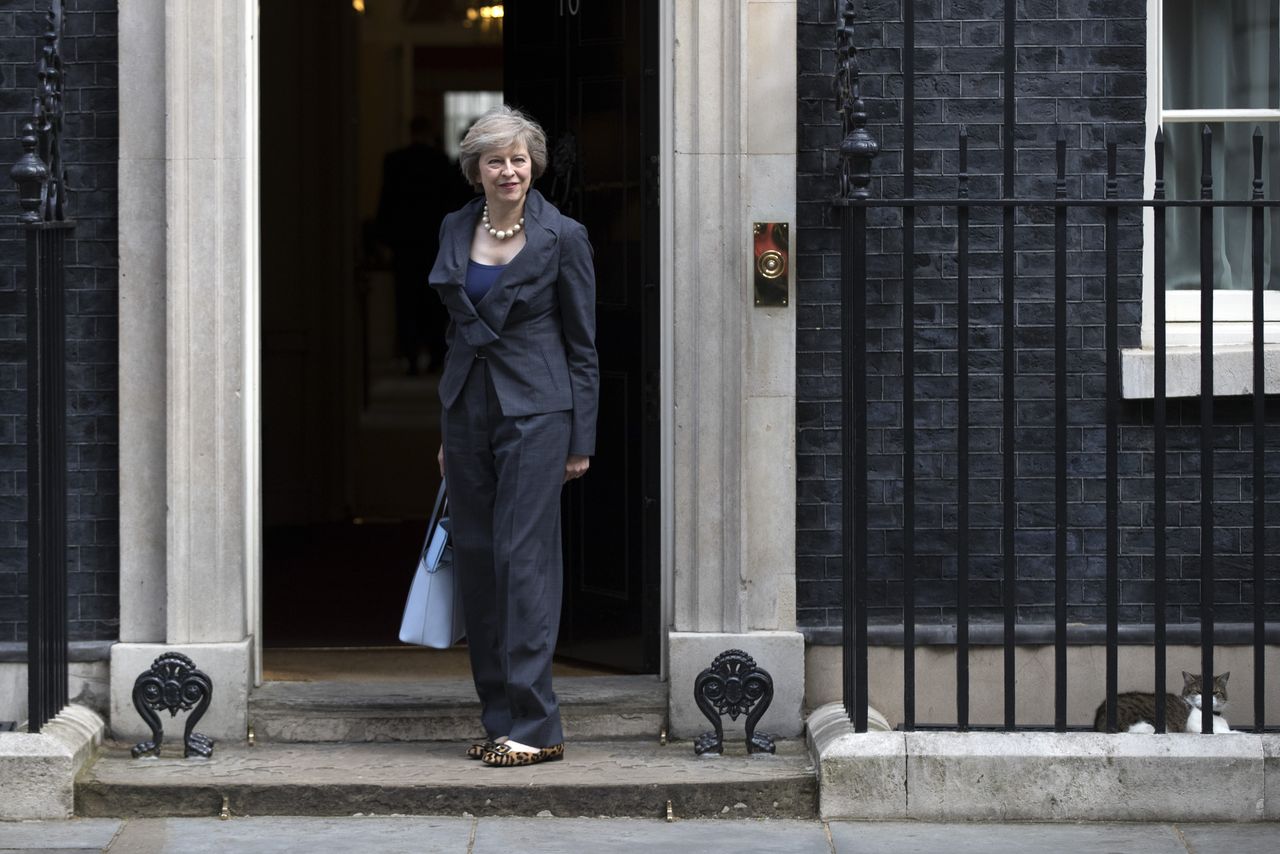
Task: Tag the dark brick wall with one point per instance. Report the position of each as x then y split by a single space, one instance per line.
1081 74
90 151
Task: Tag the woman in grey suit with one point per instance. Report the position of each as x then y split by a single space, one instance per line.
520 388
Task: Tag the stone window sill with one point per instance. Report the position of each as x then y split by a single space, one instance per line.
1232 371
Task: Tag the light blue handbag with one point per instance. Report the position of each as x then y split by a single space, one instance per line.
433 612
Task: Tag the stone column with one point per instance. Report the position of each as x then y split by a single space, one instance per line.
734 364
198 384
142 322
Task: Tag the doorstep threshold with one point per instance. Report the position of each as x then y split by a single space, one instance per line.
645 691
609 778
597 707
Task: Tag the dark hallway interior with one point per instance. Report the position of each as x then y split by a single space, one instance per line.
350 413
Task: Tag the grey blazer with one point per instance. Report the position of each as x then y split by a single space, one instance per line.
536 325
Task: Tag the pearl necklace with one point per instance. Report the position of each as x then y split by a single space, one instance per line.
497 232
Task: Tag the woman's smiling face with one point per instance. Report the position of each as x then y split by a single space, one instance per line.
506 174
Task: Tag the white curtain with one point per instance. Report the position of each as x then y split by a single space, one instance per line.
1220 54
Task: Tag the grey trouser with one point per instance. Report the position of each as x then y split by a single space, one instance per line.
504 477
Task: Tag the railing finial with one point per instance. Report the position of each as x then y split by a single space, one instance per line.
1159 187
1257 162
39 172
1206 163
1112 186
858 147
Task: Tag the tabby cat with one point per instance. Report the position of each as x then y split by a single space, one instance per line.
1136 710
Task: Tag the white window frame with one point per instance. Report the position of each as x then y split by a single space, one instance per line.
473 102
1232 310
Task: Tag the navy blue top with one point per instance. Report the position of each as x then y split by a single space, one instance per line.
480 278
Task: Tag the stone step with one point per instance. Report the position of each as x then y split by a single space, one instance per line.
591 707
596 778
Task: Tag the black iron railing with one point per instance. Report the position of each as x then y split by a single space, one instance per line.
854 202
40 177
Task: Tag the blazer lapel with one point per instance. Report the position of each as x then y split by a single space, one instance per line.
541 222
482 324
456 246
450 273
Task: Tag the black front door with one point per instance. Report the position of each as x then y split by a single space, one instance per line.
587 71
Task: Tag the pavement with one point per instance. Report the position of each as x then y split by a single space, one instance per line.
551 835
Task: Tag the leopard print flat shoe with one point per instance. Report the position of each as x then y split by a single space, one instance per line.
478 749
502 756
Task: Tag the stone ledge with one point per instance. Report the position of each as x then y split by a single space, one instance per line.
947 776
38 770
1232 371
1271 777
76 651
859 774
1030 634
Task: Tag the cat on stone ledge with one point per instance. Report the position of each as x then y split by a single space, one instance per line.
1136 710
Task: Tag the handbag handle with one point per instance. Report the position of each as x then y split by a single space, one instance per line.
440 508
437 513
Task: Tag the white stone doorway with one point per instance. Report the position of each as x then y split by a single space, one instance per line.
191 496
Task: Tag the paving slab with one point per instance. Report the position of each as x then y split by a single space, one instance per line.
625 836
286 835
1257 838
1008 838
624 778
69 835
537 835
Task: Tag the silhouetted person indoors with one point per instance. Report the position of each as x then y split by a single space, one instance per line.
420 184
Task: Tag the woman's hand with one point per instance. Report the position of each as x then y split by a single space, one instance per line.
440 458
575 467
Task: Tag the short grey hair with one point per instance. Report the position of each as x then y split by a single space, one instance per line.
498 129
